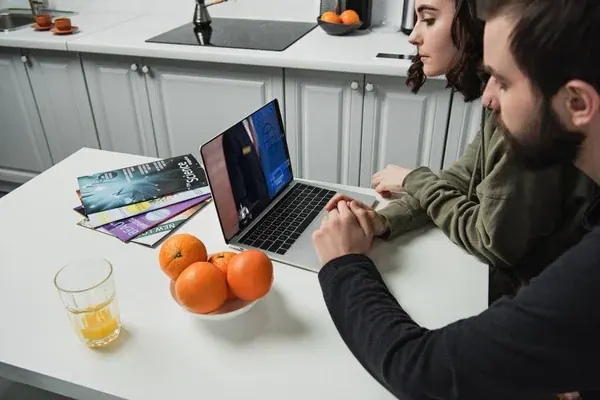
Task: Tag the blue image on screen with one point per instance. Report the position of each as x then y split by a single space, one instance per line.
275 164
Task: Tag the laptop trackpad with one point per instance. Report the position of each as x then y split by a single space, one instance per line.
302 253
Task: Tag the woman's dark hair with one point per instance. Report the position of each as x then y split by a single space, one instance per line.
467 75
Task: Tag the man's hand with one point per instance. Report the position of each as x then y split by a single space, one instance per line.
389 180
345 230
378 222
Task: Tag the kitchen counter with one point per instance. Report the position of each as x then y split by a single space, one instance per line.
126 35
316 50
88 23
286 347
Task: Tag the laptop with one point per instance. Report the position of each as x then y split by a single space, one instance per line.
259 202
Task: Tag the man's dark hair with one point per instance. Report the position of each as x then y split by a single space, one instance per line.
467 75
553 41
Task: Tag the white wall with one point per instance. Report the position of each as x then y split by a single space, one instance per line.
388 10
298 10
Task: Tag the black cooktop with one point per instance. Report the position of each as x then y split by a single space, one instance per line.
238 33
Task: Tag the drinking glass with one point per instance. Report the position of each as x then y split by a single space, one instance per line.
87 290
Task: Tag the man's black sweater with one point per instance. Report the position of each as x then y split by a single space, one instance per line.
544 341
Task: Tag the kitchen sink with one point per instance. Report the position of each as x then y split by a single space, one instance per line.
15 18
10 22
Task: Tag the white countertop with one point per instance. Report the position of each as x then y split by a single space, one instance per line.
286 347
316 50
88 23
125 35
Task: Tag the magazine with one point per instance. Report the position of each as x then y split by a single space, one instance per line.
118 214
140 183
129 228
155 235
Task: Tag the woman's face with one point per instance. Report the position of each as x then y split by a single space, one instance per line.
432 37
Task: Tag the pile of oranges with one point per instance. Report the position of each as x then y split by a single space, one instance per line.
204 284
348 17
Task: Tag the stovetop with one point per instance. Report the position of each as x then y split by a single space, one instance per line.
238 33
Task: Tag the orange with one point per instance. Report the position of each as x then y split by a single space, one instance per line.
201 288
349 17
330 16
221 260
180 251
250 275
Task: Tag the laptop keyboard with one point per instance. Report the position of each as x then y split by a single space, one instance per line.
284 224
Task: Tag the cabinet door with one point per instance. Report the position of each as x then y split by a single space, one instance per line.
119 100
403 128
192 102
324 118
22 143
465 121
61 96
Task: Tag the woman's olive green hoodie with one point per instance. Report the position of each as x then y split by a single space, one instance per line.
514 219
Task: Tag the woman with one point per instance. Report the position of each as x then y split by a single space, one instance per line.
516 220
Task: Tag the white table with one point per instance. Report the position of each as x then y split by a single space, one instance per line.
286 347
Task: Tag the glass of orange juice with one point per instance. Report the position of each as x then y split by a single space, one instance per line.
87 289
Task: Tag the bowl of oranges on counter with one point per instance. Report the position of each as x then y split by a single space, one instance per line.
214 286
339 24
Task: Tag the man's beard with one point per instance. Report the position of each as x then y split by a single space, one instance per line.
545 142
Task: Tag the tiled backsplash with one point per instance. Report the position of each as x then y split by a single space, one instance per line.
298 10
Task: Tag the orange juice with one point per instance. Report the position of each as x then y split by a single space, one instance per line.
97 325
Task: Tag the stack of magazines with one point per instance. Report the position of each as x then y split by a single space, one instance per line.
143 203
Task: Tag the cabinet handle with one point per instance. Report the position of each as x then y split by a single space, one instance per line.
369 87
134 67
145 69
354 85
25 59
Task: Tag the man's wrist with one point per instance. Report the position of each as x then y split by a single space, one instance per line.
334 256
345 260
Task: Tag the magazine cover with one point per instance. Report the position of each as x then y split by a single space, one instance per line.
118 214
154 235
129 228
139 183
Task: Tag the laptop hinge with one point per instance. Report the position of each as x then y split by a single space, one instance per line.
241 234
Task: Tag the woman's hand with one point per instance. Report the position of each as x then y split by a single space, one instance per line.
389 180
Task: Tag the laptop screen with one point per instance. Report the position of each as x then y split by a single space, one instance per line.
247 166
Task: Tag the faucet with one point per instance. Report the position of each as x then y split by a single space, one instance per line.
201 15
36 6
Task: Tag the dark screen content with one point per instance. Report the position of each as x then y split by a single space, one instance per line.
251 168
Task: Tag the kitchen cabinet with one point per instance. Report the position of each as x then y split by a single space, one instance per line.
193 102
117 89
164 108
324 115
62 100
23 148
464 123
342 128
403 128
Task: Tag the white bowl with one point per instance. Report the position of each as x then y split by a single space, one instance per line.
231 308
